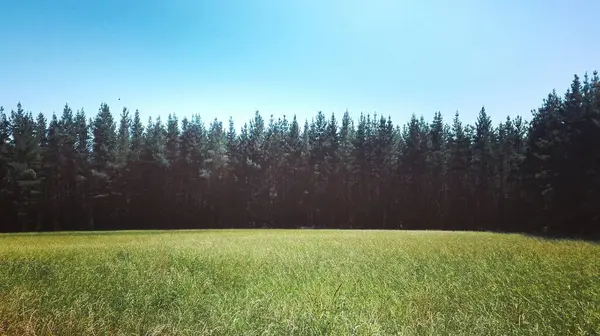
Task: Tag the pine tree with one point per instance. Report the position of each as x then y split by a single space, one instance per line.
413 172
437 169
541 167
235 181
575 167
459 163
345 171
133 187
41 130
51 171
383 169
216 161
123 138
23 168
6 206
483 168
172 139
82 149
137 137
153 170
105 140
294 175
592 170
103 155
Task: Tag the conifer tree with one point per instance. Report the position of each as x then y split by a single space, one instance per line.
123 138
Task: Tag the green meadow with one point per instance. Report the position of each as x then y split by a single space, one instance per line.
297 282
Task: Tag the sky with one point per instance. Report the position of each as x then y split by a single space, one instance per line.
222 58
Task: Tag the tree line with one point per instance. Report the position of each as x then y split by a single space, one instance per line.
74 173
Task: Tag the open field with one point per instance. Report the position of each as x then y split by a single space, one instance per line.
272 282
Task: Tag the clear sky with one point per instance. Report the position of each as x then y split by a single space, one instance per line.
232 57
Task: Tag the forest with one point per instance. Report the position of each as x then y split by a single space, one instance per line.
108 172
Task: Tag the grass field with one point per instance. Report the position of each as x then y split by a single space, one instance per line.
272 282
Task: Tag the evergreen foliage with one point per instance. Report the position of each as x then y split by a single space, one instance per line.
69 173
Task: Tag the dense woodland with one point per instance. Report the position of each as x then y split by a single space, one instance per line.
105 173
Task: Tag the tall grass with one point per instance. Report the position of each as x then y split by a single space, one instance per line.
271 282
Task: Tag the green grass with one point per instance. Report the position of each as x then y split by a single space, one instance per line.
273 282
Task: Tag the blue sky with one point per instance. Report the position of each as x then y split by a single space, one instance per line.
232 57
